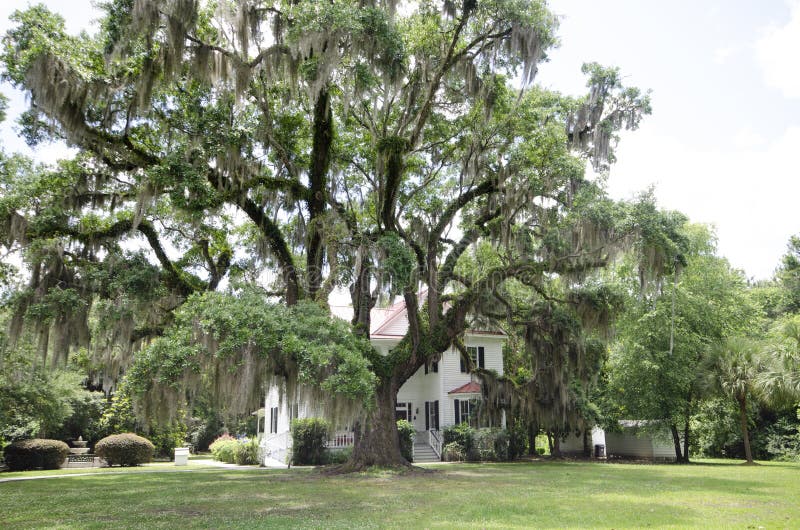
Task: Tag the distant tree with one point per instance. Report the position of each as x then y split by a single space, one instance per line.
738 364
788 275
657 369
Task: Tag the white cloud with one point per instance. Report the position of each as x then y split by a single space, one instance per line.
723 53
748 139
777 52
749 193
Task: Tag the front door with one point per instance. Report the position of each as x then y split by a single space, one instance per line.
431 415
403 411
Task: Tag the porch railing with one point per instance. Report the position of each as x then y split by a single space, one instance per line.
276 446
435 441
341 440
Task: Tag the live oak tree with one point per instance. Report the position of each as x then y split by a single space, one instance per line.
303 146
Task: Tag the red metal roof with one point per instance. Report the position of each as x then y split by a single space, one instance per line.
470 388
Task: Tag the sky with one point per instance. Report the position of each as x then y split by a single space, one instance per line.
721 143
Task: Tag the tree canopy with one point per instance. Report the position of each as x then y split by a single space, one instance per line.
240 161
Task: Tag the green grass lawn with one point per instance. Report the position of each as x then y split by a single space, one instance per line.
533 494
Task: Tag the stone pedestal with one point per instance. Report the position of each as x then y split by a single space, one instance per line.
181 456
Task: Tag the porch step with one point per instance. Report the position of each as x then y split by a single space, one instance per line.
424 453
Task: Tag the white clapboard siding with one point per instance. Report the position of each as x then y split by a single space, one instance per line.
573 443
452 377
629 444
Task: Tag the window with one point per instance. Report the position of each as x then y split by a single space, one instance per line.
434 367
273 420
465 411
478 358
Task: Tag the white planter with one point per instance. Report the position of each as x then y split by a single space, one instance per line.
181 456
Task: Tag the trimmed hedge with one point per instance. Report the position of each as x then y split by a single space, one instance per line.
127 449
309 436
406 431
35 453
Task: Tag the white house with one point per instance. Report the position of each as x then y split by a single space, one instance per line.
435 397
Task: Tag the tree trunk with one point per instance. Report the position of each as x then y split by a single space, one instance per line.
533 431
557 444
745 433
686 439
676 439
376 441
587 446
320 163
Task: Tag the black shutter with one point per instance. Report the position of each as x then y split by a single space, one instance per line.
463 366
455 403
436 367
480 357
436 418
426 368
427 415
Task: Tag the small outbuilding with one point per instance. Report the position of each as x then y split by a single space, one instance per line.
641 440
573 443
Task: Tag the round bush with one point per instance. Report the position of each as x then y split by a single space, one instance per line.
126 449
35 453
223 448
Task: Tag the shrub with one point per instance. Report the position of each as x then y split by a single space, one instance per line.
223 448
339 456
492 444
453 452
165 439
309 436
463 435
406 432
517 441
245 452
127 449
35 453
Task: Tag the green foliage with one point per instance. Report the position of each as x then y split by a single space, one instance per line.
126 449
305 339
517 440
35 453
453 452
120 417
463 435
223 448
309 439
246 452
462 442
788 275
658 368
38 402
203 431
492 444
302 176
339 456
783 440
406 431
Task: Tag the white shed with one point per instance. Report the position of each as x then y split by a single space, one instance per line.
573 443
638 439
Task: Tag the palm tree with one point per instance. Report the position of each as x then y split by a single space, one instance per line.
739 368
